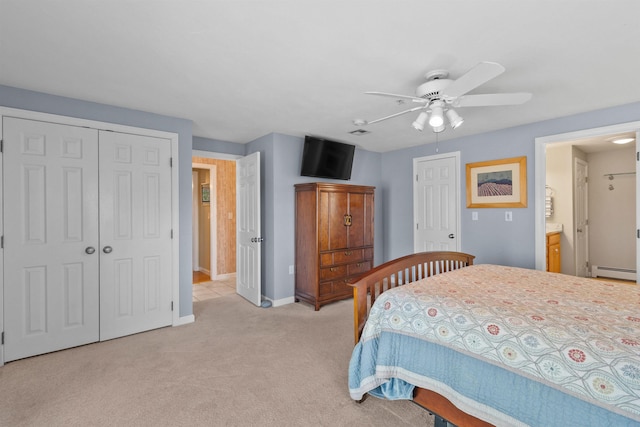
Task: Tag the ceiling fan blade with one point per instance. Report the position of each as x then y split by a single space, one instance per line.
481 73
395 115
393 95
492 99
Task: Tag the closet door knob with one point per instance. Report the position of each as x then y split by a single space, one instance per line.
89 250
107 249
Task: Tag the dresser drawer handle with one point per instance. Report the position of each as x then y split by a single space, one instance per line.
333 269
359 264
348 253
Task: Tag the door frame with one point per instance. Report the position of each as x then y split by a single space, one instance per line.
214 195
213 219
540 180
581 269
94 124
456 157
194 220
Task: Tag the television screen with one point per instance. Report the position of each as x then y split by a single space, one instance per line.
323 158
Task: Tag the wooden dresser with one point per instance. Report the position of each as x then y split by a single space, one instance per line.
334 239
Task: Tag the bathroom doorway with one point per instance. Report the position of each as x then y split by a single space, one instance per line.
604 243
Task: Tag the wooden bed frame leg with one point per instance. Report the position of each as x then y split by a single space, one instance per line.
364 397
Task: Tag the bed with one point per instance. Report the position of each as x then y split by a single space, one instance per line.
482 345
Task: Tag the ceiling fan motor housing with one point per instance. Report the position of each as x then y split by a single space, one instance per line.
431 90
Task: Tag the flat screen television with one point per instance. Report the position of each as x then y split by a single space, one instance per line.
323 158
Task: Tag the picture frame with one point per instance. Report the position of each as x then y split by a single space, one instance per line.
205 193
498 183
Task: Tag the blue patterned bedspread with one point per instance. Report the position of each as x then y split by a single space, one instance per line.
512 346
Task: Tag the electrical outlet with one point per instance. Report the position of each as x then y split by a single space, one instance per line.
508 216
474 216
291 269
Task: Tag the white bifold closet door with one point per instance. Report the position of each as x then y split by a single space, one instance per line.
135 234
51 280
87 217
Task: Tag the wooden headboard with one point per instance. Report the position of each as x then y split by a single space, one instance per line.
397 272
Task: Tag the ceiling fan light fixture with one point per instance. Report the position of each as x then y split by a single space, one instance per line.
439 129
420 121
454 118
437 118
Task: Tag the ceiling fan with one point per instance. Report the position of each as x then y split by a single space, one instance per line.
439 95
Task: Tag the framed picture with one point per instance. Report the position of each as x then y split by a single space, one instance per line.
205 193
497 183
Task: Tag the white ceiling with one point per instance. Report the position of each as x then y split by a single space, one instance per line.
242 69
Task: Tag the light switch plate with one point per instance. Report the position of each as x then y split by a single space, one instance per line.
508 216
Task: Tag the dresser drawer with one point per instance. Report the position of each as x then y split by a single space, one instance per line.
341 257
334 288
327 273
359 267
345 256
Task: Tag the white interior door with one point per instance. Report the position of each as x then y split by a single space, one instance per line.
249 253
195 219
580 213
51 237
436 203
135 234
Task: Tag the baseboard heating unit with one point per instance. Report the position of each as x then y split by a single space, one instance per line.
613 273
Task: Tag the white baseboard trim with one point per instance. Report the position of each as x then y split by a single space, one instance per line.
184 320
205 271
613 273
283 301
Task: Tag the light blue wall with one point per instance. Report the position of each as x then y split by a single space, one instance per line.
217 146
280 166
491 238
45 103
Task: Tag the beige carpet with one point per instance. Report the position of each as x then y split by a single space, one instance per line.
237 365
